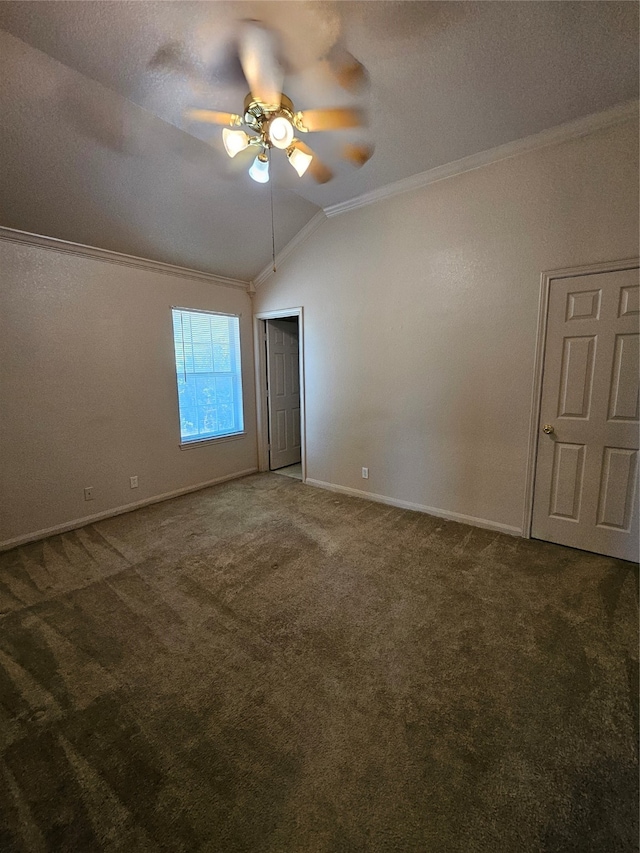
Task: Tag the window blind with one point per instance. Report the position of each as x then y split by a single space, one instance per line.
209 375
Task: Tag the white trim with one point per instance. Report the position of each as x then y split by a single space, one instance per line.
552 136
305 232
261 385
429 510
111 513
212 439
279 313
11 235
546 280
536 396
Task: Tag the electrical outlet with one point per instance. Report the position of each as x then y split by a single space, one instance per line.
88 493
365 473
133 482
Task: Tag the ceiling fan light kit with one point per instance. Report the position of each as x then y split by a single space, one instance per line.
299 160
275 126
270 114
259 171
234 141
280 132
271 119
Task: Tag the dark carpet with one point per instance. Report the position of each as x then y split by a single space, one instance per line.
264 666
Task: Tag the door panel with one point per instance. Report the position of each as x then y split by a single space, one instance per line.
617 487
577 377
283 395
586 486
294 372
278 387
584 306
296 427
625 382
566 487
629 300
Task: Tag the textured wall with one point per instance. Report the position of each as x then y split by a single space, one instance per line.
421 315
88 388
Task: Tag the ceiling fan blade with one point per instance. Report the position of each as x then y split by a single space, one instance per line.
221 66
257 49
357 153
318 170
173 57
214 117
330 119
348 71
224 68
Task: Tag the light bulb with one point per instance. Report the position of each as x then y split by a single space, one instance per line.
234 141
281 132
299 160
259 171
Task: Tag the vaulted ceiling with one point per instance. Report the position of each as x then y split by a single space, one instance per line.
95 147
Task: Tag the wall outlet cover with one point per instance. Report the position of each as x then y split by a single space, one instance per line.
365 473
133 482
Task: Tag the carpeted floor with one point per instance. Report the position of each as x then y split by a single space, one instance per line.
264 666
294 471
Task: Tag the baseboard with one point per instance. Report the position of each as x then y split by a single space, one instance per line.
121 510
429 510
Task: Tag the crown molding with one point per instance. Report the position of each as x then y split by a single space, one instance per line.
12 235
553 136
314 223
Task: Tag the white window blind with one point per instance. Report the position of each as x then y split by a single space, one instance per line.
208 370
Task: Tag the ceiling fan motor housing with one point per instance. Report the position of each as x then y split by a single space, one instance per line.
258 115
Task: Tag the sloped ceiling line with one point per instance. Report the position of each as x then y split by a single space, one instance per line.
571 130
312 225
106 255
96 151
627 111
553 136
205 230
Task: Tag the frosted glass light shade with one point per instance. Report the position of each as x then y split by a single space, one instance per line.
234 141
299 160
259 171
281 132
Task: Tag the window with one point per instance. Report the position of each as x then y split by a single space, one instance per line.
208 371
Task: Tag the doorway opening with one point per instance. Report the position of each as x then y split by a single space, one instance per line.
279 360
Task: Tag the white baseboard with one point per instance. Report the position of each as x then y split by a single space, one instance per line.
429 510
111 513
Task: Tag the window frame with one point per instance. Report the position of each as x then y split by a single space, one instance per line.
231 436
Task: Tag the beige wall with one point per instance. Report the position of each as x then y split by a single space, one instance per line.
88 389
421 315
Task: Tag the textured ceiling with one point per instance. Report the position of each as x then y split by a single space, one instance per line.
95 149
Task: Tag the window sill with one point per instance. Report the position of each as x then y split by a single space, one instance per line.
199 442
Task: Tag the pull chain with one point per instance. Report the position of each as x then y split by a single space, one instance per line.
273 233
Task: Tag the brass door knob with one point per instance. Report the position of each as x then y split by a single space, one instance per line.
548 428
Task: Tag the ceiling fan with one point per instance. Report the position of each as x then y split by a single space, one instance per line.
270 116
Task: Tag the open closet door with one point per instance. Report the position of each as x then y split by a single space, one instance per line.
283 379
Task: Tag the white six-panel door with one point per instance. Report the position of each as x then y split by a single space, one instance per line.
283 378
586 485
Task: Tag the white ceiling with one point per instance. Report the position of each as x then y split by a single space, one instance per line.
95 149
